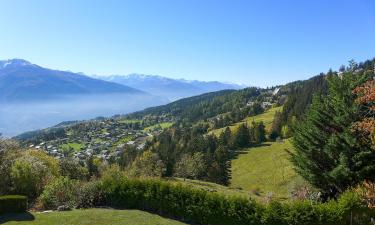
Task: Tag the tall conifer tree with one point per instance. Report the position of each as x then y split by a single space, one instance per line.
328 154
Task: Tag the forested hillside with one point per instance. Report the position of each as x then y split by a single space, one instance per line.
308 140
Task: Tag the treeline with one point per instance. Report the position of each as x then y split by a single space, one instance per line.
188 152
203 106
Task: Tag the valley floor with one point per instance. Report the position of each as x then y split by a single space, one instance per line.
89 217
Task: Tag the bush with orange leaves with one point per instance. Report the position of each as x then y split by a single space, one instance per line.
367 193
366 97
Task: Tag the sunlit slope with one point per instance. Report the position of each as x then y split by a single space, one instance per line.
265 169
266 117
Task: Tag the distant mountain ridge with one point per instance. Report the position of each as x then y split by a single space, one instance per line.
33 97
21 80
172 89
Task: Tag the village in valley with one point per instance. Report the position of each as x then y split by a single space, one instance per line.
108 138
103 138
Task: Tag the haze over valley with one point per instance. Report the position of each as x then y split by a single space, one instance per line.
187 112
33 97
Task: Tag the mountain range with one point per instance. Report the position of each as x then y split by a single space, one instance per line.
21 80
169 88
34 97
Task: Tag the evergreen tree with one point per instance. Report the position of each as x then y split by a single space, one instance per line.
225 137
241 138
277 125
327 152
257 132
219 171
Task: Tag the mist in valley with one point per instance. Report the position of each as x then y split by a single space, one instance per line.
19 117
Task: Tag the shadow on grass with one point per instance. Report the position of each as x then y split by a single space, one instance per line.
236 153
8 217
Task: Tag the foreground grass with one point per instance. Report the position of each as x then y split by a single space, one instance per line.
89 217
266 117
264 170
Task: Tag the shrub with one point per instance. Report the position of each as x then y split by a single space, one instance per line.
31 171
29 176
148 164
367 193
72 169
13 204
181 201
61 191
199 206
89 195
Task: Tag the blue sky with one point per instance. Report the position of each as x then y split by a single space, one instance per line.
259 43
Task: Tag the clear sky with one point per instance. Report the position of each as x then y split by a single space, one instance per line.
259 43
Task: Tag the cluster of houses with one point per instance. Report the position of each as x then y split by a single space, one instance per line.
268 101
105 140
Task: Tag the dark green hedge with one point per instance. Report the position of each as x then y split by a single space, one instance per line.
208 208
13 203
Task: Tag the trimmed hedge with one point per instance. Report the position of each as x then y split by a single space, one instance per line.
194 205
13 203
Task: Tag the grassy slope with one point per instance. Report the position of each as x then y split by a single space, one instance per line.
265 169
266 117
162 125
259 170
256 172
90 217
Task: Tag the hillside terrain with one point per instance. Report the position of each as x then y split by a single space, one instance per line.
267 118
227 157
265 170
247 128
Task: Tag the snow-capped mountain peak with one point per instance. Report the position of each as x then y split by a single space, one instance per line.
14 63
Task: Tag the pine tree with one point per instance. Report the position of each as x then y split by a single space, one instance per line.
241 138
219 171
225 137
327 153
257 132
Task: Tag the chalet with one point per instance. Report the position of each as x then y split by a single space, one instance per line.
275 91
141 146
130 143
266 105
250 103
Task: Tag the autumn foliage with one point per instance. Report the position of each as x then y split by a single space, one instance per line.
366 97
367 193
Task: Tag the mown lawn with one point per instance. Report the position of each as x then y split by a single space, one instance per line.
88 217
267 118
265 169
162 125
76 146
126 121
